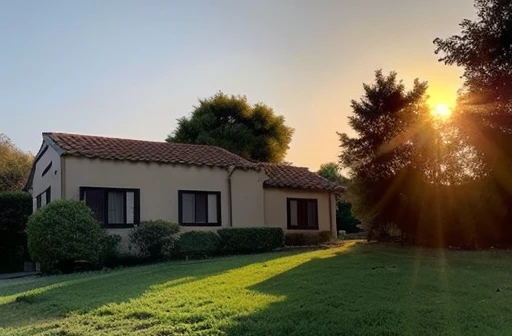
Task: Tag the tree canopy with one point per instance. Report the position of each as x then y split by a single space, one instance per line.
484 112
254 132
331 171
408 169
14 165
380 156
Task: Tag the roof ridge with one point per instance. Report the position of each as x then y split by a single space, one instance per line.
116 148
282 165
141 140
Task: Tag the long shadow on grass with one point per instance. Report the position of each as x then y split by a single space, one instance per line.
374 291
30 301
356 292
316 298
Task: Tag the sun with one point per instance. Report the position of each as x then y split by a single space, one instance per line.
442 111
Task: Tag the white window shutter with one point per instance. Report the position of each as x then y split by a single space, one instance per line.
130 207
212 208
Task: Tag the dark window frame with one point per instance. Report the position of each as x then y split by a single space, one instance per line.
199 192
136 205
48 197
38 202
288 212
48 193
47 168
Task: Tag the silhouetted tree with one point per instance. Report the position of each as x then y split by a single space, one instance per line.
253 132
380 157
484 114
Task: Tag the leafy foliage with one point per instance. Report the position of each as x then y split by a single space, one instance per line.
410 171
331 171
198 243
251 240
386 120
484 114
15 208
109 249
307 239
344 218
253 132
152 237
62 232
14 165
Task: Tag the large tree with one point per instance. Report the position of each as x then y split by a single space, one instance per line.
484 50
254 132
380 156
484 114
14 165
414 171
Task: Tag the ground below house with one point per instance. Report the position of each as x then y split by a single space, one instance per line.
357 289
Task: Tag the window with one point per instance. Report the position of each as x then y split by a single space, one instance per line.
302 214
47 168
199 208
38 202
115 208
44 198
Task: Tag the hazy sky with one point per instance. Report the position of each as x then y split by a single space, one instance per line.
131 68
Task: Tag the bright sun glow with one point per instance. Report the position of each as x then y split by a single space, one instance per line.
442 111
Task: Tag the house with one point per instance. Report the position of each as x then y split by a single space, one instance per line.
201 187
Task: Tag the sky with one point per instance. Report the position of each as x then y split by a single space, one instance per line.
130 68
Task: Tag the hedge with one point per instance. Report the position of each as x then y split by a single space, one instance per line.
251 240
307 239
15 208
198 243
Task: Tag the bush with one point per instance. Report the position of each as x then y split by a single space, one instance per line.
307 239
15 208
151 236
63 232
198 243
109 248
251 240
170 247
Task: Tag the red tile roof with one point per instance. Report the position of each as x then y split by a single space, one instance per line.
98 147
284 176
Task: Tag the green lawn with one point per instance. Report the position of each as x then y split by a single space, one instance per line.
358 289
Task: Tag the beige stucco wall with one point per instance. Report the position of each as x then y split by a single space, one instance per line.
159 185
276 211
248 198
51 179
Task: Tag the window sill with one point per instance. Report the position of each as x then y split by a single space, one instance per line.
201 224
310 228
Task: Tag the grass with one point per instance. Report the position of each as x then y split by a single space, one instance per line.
357 289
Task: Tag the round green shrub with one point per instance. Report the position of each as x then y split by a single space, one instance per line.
198 243
62 232
152 236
